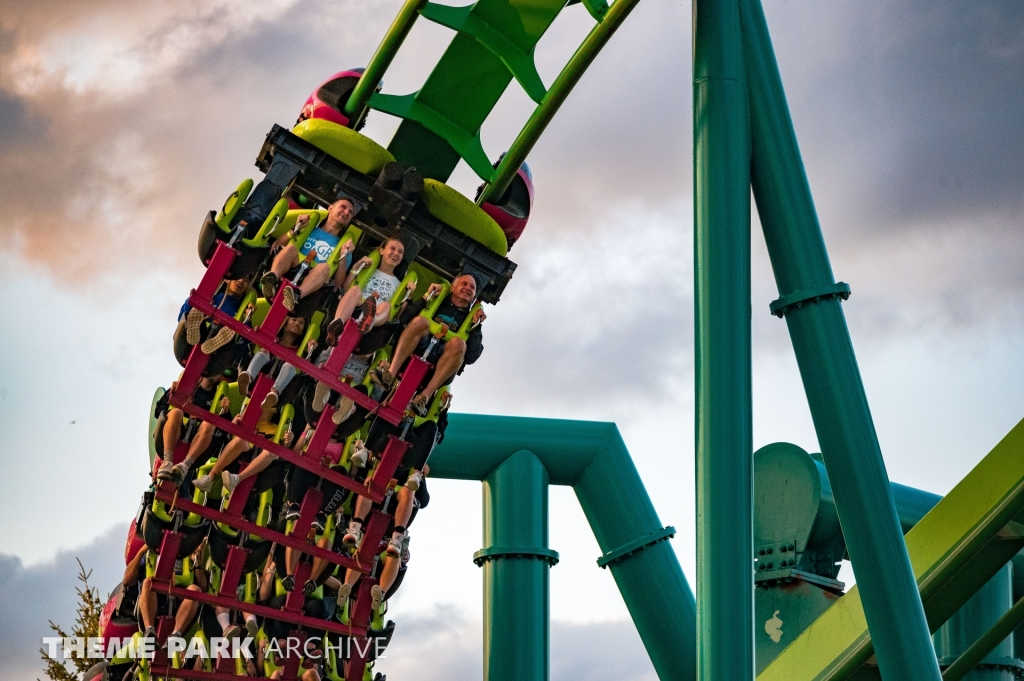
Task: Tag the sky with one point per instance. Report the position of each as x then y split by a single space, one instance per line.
122 123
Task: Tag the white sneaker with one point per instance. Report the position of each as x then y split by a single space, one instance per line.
244 379
344 591
321 394
230 481
346 407
354 534
360 454
395 545
414 481
204 483
376 597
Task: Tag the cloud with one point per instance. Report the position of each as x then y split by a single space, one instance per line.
446 644
31 596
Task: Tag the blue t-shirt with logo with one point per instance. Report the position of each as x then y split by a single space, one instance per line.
321 243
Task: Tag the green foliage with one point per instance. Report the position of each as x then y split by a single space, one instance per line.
87 624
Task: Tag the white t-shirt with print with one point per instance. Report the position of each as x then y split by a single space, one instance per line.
384 285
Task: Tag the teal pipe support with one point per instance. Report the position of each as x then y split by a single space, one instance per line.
724 439
828 366
592 458
516 560
971 639
382 58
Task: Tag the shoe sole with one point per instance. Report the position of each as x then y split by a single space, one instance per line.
321 394
269 402
243 383
376 597
222 338
345 408
290 299
268 287
193 324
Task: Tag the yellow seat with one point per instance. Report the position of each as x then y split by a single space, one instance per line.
354 150
451 207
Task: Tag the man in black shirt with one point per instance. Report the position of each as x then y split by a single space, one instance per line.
448 357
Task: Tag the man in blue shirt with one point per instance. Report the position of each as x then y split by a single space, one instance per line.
321 242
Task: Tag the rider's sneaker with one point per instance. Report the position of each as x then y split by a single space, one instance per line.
291 511
269 284
217 341
395 545
334 330
382 377
369 312
150 632
290 298
230 480
270 401
204 483
288 583
244 379
176 474
318 522
346 407
308 588
360 454
251 627
419 404
344 591
321 395
233 631
414 481
193 326
354 534
376 597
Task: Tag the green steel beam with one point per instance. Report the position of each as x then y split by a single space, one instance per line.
944 548
516 559
724 439
383 57
555 96
592 458
828 366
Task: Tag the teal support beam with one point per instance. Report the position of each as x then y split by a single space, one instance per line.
592 458
810 302
721 191
516 560
970 640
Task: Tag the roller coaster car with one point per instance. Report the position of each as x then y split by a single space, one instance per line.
442 230
328 100
512 210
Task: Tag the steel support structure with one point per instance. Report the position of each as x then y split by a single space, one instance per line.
591 458
810 302
724 442
516 561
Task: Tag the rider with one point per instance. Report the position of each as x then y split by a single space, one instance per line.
375 297
448 357
291 337
322 242
228 301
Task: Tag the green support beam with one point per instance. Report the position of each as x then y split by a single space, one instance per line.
979 634
516 560
958 546
810 302
721 191
592 458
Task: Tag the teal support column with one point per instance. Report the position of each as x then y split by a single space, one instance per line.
591 457
721 191
971 623
516 560
810 302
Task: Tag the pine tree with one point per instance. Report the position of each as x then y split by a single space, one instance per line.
87 624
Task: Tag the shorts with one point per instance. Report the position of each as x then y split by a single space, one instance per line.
435 352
